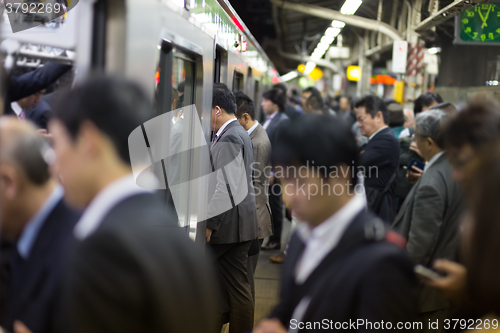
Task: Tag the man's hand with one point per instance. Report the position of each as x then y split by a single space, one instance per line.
45 134
208 234
453 284
19 327
414 174
270 326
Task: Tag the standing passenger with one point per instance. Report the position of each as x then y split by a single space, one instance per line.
132 269
262 172
230 234
273 104
380 156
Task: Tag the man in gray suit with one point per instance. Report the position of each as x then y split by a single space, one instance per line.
430 214
230 234
261 173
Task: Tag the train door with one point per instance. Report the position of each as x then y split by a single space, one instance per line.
237 81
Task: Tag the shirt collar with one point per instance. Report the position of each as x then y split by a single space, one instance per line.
16 108
433 160
31 230
251 129
104 201
371 137
225 125
331 230
272 116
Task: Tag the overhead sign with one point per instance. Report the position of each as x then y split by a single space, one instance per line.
399 56
339 52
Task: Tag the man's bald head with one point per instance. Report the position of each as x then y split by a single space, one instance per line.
21 145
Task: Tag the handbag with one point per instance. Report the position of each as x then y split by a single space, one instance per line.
375 197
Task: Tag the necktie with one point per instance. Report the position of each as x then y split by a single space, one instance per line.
22 115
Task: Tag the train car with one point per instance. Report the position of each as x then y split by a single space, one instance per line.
170 47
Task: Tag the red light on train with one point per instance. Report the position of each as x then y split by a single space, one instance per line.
275 79
244 46
237 23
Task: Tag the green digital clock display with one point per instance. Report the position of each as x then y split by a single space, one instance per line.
481 24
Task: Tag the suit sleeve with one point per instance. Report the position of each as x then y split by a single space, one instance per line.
388 293
34 81
103 287
426 222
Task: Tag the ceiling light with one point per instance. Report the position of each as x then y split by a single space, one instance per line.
289 76
434 50
338 24
350 7
309 67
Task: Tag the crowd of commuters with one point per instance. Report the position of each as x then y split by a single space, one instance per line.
84 249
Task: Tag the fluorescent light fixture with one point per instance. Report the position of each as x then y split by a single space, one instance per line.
288 76
322 46
338 24
309 67
316 56
434 50
350 7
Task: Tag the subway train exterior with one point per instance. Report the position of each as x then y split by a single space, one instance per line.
158 44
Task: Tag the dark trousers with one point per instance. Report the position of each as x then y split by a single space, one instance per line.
252 266
276 203
236 295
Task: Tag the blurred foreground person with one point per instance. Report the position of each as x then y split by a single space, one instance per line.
132 268
469 135
429 216
339 266
34 216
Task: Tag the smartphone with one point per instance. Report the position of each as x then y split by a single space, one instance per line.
416 163
427 273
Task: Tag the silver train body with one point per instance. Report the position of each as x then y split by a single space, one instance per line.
159 44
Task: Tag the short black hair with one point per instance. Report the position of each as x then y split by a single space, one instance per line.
426 100
276 96
114 105
223 98
313 90
319 141
244 104
396 113
180 87
372 105
280 86
315 102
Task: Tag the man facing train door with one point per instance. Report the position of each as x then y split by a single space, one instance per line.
230 234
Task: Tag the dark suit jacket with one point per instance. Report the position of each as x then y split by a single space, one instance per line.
361 278
291 112
40 114
238 224
139 272
32 82
380 159
279 120
262 173
429 219
33 294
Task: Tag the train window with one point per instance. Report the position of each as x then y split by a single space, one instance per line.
256 96
217 65
183 79
237 81
99 34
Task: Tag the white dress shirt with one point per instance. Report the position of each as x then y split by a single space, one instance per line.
224 126
104 202
373 135
433 160
325 237
269 119
16 108
251 129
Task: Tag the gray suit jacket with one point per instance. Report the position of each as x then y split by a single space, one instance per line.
429 219
239 223
262 173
